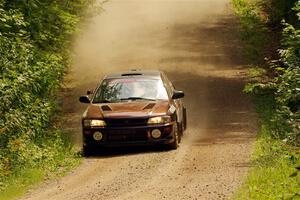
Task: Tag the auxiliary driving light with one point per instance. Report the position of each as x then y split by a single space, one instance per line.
98 136
156 133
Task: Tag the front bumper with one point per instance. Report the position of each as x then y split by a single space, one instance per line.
128 136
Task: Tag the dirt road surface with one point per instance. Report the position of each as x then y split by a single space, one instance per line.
196 43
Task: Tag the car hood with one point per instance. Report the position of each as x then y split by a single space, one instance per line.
127 109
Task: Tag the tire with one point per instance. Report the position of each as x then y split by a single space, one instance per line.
175 144
184 119
87 151
180 131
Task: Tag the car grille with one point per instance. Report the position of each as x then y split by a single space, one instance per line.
126 122
124 135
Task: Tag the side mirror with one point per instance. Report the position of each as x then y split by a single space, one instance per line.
84 99
178 94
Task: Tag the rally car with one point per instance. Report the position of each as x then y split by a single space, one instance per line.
133 108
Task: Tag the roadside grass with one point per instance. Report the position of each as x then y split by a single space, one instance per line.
256 72
18 184
23 179
274 174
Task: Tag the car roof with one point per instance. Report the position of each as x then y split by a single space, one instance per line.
135 74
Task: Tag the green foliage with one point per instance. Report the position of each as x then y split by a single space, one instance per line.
279 10
34 38
253 31
256 72
286 84
275 173
276 162
19 183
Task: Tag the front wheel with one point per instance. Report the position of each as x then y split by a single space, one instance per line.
87 151
184 119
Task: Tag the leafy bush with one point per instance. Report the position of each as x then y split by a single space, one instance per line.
288 85
34 38
276 163
279 10
254 32
285 86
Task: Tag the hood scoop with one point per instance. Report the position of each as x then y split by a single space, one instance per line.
149 106
106 108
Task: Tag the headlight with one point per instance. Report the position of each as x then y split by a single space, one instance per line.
159 120
94 123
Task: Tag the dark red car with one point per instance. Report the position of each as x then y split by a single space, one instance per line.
133 108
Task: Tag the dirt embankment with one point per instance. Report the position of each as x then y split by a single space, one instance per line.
196 43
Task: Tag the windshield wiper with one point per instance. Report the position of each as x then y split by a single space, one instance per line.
137 98
102 101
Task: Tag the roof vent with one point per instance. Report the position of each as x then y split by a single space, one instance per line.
106 108
149 106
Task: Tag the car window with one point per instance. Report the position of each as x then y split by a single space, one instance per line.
167 84
122 89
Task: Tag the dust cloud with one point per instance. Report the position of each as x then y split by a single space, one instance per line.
142 34
191 40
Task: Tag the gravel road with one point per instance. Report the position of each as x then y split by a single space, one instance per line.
196 43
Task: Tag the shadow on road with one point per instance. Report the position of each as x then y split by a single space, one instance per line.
105 152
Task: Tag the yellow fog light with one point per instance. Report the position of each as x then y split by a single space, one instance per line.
98 136
156 133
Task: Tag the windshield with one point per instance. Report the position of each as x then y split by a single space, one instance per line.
116 90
